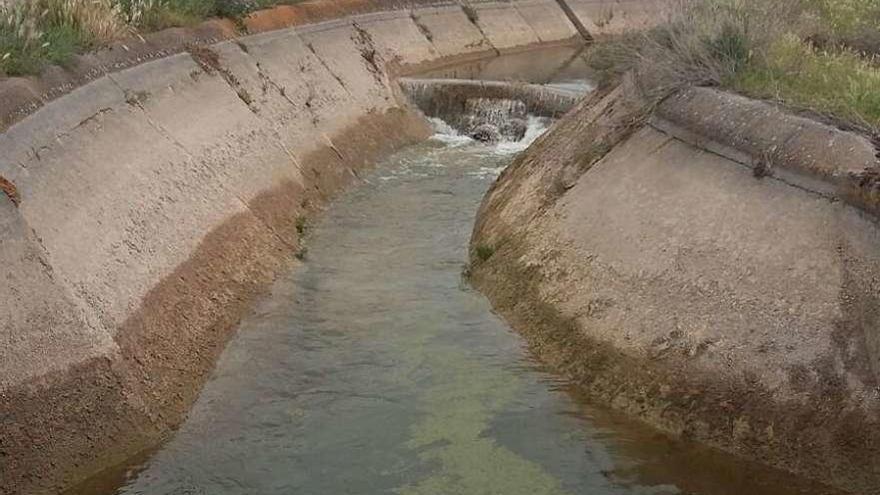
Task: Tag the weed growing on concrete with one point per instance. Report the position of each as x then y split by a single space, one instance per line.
302 228
483 252
301 253
422 27
302 225
8 188
470 12
761 169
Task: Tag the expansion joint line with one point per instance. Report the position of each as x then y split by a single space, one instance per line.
829 197
265 224
575 20
474 19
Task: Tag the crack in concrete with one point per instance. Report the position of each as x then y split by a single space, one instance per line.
471 13
171 139
528 24
829 197
153 124
210 62
265 224
422 27
311 48
363 41
88 119
575 21
90 314
333 146
267 81
37 150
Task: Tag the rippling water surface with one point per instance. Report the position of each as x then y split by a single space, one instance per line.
373 368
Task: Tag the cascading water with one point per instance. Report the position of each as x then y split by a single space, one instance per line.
534 126
492 120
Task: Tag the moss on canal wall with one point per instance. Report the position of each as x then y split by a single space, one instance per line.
641 254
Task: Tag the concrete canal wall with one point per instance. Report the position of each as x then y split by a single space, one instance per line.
711 268
153 188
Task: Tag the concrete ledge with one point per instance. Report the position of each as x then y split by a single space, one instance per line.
446 98
813 155
19 96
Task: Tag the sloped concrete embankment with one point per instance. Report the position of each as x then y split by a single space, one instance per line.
712 269
146 207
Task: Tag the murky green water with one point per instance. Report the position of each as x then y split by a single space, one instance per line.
373 368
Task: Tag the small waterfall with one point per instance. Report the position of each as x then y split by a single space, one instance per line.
491 111
494 119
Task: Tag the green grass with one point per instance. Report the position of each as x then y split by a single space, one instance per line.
36 33
840 84
302 225
810 54
484 252
847 18
57 45
18 57
152 15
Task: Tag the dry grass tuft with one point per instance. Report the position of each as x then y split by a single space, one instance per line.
34 33
97 21
798 52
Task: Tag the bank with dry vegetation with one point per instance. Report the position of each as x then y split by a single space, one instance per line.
696 244
817 56
35 33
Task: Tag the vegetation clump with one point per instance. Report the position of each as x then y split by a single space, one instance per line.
302 225
484 252
816 55
36 33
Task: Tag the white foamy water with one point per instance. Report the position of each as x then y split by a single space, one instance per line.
535 127
582 86
446 134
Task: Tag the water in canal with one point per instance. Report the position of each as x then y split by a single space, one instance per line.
374 368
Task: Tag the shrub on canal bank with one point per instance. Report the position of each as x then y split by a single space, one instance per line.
151 15
818 55
34 33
